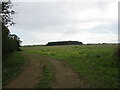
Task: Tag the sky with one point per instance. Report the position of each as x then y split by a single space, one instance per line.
88 21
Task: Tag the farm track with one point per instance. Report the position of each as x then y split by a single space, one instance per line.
30 76
65 77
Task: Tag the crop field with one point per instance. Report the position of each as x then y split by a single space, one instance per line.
97 65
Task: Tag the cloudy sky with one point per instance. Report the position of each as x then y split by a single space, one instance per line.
88 21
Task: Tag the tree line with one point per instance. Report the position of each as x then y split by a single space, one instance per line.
10 42
64 43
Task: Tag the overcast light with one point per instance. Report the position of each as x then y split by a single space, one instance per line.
88 22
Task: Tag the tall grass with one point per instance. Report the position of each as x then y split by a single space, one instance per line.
12 66
96 64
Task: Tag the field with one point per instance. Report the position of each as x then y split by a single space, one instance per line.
97 65
88 66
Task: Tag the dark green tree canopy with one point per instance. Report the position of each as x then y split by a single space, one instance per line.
10 42
64 43
6 13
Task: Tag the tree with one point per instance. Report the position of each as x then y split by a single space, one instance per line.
10 42
6 13
64 43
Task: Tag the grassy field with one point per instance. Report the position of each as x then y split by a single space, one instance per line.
12 66
48 76
97 65
47 71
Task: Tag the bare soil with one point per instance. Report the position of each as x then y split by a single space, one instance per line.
65 77
30 76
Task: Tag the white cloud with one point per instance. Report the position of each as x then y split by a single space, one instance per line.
64 0
52 21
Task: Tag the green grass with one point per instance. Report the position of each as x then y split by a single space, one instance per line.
48 76
12 66
47 71
96 64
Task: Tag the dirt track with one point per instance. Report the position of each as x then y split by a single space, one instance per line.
65 77
30 76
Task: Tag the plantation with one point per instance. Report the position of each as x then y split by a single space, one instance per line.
97 65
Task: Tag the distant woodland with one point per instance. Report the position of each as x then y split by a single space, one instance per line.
64 43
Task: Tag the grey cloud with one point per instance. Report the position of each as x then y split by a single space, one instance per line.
111 28
56 19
